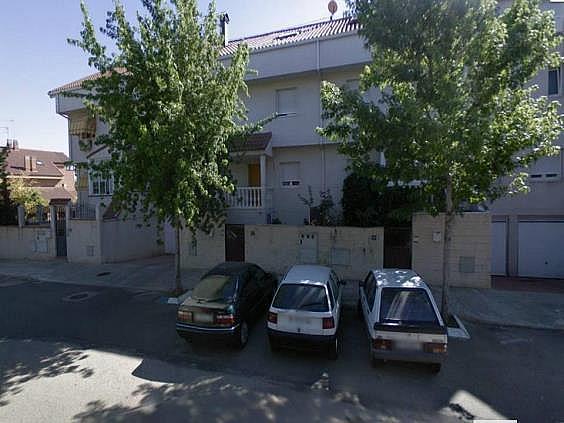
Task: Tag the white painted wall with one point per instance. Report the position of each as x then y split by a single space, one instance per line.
541 252
28 242
124 240
83 242
471 238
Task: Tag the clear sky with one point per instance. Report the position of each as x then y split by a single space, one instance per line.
35 57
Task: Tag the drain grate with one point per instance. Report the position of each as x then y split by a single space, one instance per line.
79 296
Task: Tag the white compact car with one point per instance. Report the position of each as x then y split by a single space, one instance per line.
306 309
402 318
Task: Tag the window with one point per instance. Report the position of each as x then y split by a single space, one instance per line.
407 306
290 174
214 288
546 169
370 290
301 297
286 102
331 295
100 185
554 81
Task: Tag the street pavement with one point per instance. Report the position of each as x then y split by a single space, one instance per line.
113 354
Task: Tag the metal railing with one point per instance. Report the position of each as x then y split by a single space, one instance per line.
83 211
41 216
247 198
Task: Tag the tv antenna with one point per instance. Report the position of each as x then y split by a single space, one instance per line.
332 6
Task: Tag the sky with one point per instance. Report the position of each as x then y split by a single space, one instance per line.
35 56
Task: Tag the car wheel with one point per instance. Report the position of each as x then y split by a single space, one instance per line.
334 348
242 335
436 367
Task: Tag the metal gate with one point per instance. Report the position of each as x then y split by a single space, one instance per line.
397 247
234 242
61 230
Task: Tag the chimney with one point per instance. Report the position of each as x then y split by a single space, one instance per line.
33 164
224 27
27 161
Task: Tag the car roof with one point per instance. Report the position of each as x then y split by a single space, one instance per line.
398 278
307 273
229 268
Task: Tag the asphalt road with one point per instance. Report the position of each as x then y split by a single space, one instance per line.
500 372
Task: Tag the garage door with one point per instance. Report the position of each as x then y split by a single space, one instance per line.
541 249
499 248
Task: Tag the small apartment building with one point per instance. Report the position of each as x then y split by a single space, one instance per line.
274 168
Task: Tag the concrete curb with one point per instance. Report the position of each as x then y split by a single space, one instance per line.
491 322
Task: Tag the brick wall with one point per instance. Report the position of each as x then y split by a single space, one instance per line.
470 254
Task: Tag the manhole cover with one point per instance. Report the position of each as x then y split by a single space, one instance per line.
79 296
103 274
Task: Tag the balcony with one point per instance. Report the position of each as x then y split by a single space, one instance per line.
248 198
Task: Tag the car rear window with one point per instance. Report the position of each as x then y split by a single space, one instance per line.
301 297
407 306
215 288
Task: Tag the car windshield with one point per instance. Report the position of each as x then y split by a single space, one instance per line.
407 306
301 297
215 288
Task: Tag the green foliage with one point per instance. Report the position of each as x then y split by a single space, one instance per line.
322 214
171 107
8 210
26 196
456 110
366 202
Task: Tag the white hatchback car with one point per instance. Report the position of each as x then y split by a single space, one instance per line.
306 310
402 318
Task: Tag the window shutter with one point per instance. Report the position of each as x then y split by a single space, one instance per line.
286 101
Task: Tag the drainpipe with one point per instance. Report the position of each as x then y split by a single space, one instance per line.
321 139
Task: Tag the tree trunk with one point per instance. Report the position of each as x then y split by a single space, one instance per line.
178 281
449 216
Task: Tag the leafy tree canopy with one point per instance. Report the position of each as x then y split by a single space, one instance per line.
456 107
26 196
8 211
171 108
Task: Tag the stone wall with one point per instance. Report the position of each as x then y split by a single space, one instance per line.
470 254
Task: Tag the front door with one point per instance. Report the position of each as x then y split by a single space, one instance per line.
234 242
60 231
254 174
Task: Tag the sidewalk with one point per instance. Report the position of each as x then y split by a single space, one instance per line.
152 274
537 310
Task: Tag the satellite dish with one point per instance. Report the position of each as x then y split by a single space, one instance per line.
332 6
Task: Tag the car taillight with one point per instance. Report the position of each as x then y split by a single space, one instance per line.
225 319
272 317
328 323
185 316
382 344
435 347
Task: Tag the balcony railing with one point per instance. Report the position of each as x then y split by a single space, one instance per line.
247 198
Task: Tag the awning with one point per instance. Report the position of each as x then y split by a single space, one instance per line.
255 142
83 126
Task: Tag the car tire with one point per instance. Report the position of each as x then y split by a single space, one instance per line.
334 348
242 335
436 367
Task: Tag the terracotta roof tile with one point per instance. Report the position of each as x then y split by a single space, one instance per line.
15 164
278 38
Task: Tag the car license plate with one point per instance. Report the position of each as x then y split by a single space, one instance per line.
406 345
303 321
203 318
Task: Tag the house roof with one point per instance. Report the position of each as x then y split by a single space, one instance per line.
15 163
255 142
54 194
279 38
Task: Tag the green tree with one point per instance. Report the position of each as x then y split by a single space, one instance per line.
7 206
26 196
456 111
172 108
